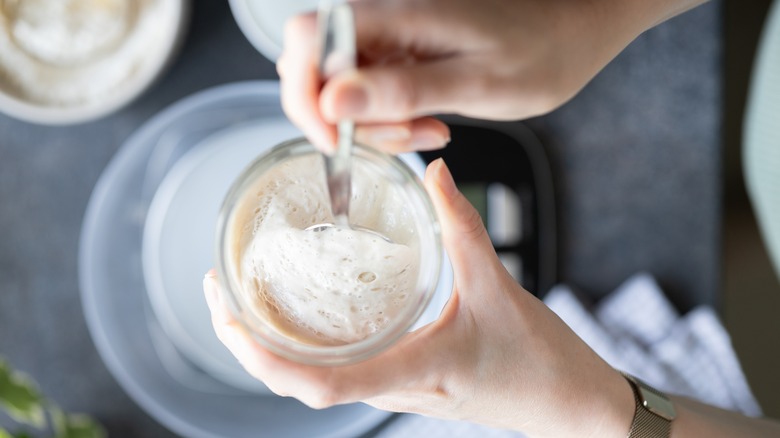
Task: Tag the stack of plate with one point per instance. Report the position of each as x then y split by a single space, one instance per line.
147 240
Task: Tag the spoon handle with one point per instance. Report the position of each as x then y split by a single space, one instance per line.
338 53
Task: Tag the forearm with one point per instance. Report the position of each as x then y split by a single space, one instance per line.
694 419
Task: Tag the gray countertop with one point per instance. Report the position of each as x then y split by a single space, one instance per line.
637 162
636 158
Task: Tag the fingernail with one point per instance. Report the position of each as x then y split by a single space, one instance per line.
322 145
353 101
211 291
426 141
322 141
212 273
446 182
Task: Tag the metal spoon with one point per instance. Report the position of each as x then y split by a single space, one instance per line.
336 29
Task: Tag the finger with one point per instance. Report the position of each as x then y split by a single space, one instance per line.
316 386
228 330
464 236
396 85
300 82
423 134
410 365
257 361
220 315
384 136
390 93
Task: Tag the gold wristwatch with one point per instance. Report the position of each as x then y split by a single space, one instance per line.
654 411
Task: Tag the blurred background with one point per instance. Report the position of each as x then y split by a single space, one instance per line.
645 166
750 288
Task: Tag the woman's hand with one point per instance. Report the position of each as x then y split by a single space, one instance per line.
496 356
489 59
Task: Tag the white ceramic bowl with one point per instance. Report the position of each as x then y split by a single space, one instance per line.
262 21
169 22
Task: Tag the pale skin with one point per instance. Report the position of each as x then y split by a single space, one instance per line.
497 355
492 59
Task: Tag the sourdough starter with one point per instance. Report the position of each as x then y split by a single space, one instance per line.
65 52
332 287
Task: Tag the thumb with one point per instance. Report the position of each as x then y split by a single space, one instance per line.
392 93
465 238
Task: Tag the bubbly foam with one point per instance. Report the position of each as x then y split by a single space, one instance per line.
330 287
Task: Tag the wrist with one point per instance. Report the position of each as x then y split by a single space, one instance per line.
619 407
602 406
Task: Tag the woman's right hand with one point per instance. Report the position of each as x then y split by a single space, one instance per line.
489 59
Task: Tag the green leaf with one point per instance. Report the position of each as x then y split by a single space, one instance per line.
20 398
58 420
82 426
74 425
5 434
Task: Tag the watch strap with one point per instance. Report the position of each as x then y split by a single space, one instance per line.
647 424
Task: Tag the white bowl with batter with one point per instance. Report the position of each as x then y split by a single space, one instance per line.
72 61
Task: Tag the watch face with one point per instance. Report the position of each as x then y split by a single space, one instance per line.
656 403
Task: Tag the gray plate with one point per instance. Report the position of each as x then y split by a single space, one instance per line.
153 370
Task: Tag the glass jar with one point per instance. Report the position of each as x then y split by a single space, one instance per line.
327 297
